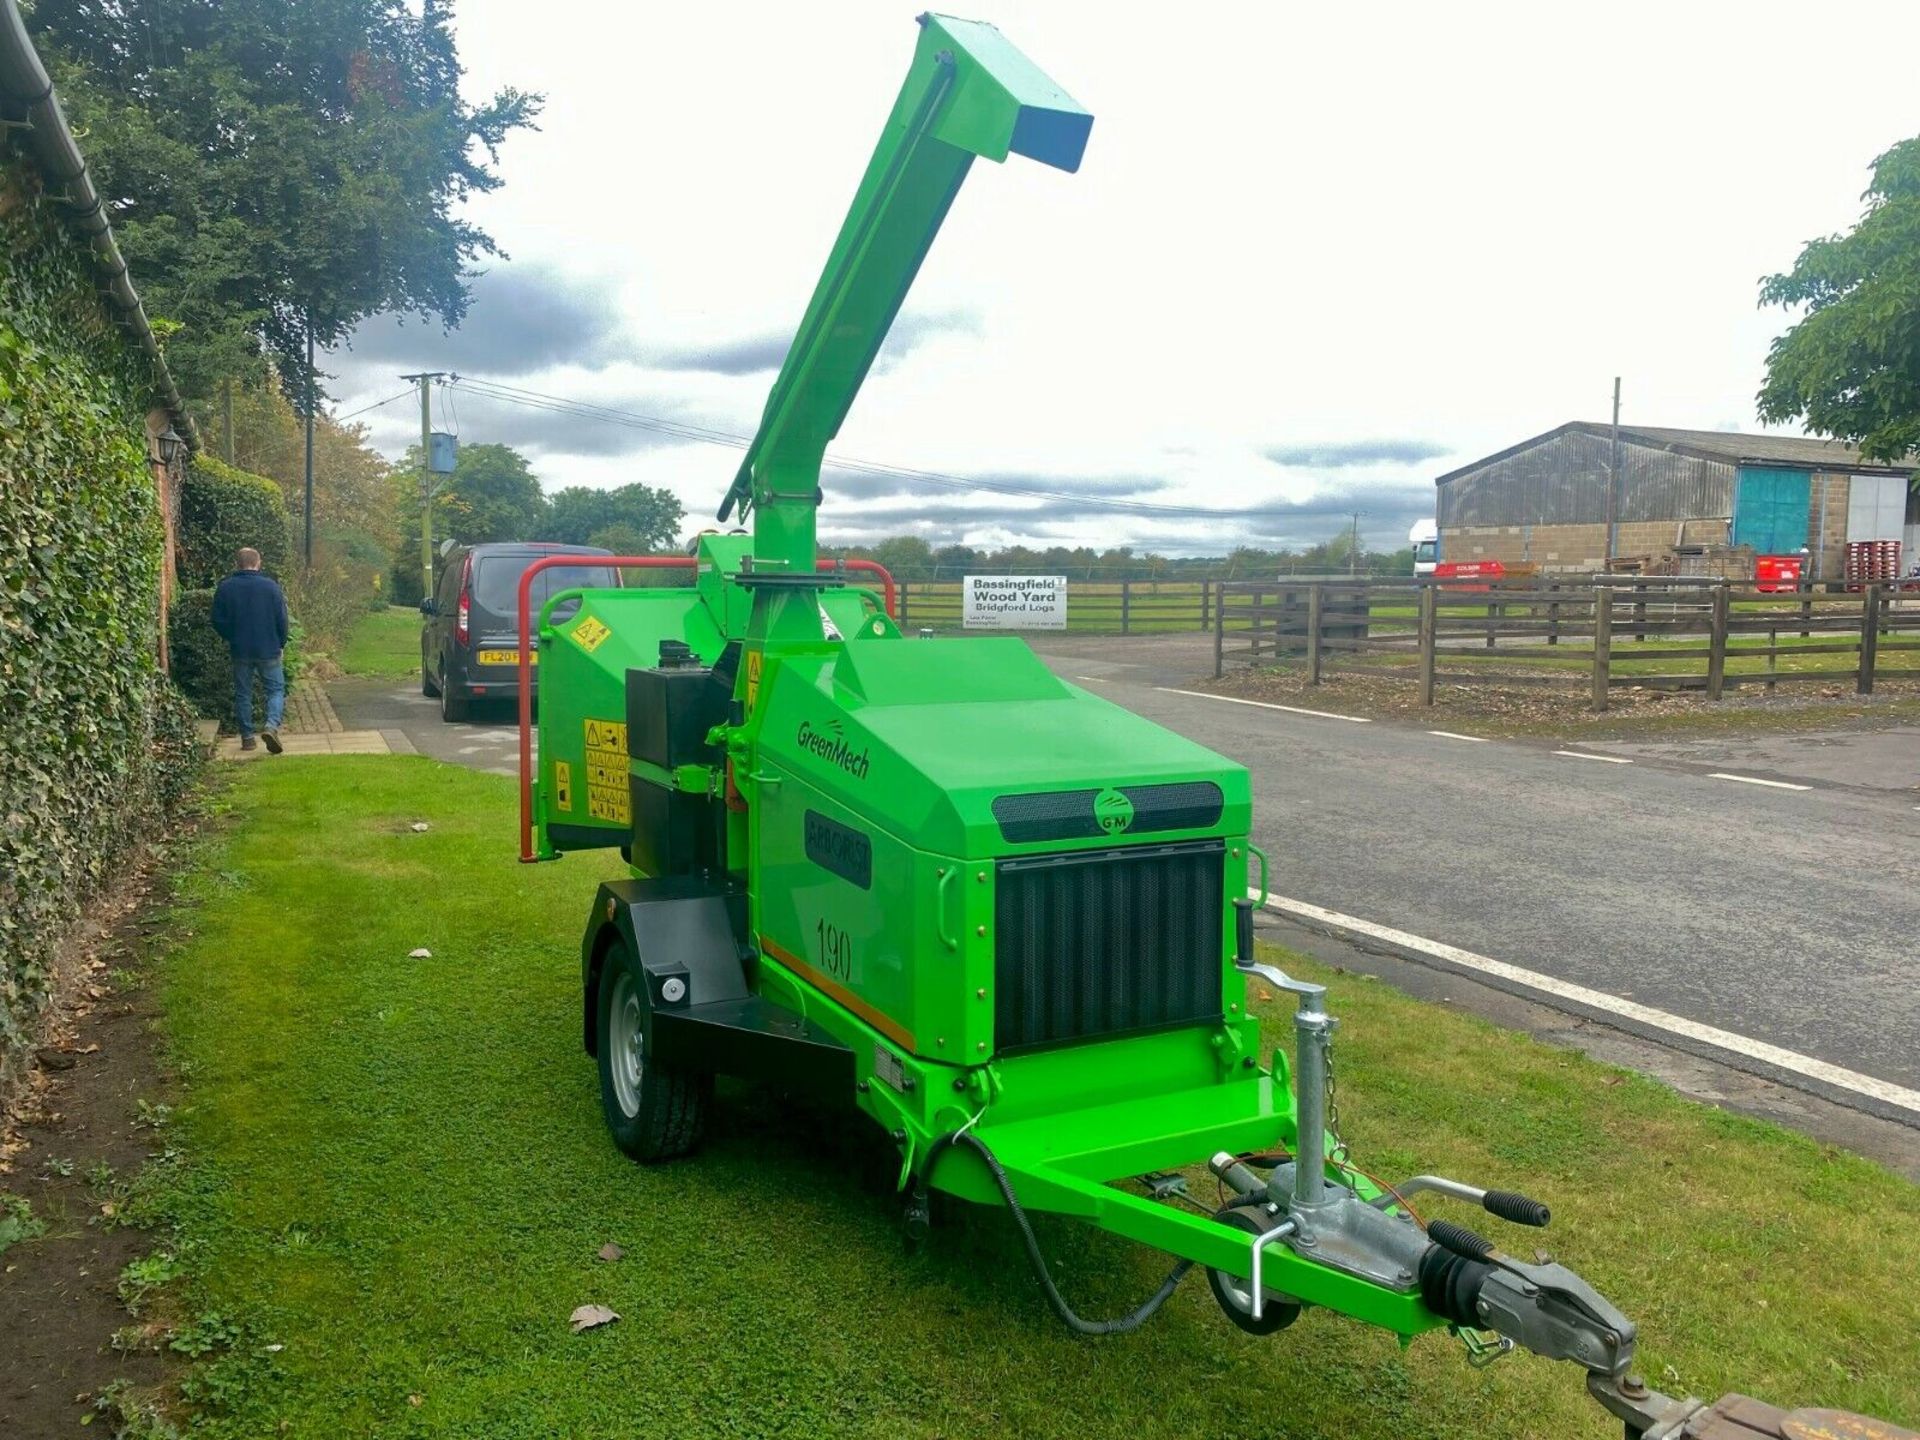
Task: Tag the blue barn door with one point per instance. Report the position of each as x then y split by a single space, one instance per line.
1770 510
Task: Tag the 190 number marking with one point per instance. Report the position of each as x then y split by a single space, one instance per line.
835 950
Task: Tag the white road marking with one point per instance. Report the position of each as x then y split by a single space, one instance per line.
1450 735
1756 780
1266 705
1603 759
1092 680
1790 1060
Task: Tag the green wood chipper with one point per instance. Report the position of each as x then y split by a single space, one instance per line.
1009 921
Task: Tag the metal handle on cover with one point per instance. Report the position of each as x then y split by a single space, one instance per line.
947 876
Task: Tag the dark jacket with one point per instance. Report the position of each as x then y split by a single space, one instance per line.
251 615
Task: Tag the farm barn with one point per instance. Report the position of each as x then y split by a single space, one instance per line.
1703 502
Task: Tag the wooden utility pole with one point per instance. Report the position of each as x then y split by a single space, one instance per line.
425 381
226 417
307 542
1613 477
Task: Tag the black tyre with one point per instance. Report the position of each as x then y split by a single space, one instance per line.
1235 1296
428 685
654 1112
454 709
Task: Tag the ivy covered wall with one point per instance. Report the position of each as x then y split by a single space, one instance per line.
93 741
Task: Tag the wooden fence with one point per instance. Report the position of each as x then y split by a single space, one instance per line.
1592 637
1112 607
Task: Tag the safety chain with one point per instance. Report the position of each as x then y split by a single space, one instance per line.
1340 1154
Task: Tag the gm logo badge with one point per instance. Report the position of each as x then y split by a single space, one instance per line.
1113 810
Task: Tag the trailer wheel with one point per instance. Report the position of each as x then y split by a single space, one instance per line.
654 1112
1235 1295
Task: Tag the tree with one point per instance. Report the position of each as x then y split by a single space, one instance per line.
1850 367
906 557
352 488
278 169
647 517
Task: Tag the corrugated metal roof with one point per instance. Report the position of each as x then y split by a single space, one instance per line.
1725 446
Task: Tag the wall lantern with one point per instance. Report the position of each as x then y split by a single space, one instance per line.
171 444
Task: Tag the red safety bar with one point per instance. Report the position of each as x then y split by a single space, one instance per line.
620 562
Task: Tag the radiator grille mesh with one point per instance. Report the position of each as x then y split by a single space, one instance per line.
1103 942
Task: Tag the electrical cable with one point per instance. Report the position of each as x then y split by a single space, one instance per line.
342 419
1038 1261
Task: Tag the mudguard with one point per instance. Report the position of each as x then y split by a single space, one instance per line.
682 928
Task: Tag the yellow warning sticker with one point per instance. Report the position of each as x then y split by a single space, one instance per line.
606 761
589 634
753 677
562 785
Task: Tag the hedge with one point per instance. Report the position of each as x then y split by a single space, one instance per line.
85 770
202 664
222 509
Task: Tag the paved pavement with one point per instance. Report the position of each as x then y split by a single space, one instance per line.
397 709
1659 877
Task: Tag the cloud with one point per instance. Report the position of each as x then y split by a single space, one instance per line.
521 319
762 353
747 355
843 484
1340 454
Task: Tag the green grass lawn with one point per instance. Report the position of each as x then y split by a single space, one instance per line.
395 1169
384 642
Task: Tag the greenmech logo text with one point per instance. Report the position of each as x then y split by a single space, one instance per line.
830 745
1113 810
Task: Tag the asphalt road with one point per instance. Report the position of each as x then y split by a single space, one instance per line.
1786 916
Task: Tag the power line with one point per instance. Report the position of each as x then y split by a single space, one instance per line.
342 419
560 405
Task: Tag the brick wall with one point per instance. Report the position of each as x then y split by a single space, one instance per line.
1583 548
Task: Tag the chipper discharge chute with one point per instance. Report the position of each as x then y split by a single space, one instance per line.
1005 919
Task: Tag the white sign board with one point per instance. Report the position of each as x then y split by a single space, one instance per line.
1014 602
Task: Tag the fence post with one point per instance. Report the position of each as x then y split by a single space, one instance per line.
1126 594
1553 614
1219 634
1316 615
1493 612
1253 625
1717 644
1869 636
905 586
1773 655
1602 643
1429 609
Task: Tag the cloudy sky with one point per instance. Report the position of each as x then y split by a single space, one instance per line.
1315 256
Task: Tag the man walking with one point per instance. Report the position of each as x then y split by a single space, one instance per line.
250 613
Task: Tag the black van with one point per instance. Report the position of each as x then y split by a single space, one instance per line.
469 646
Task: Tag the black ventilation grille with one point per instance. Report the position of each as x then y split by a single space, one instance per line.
1103 942
1070 815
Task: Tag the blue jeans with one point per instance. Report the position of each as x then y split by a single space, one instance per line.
274 676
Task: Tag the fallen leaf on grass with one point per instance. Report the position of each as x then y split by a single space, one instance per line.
419 827
591 1317
421 953
417 1400
611 1251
